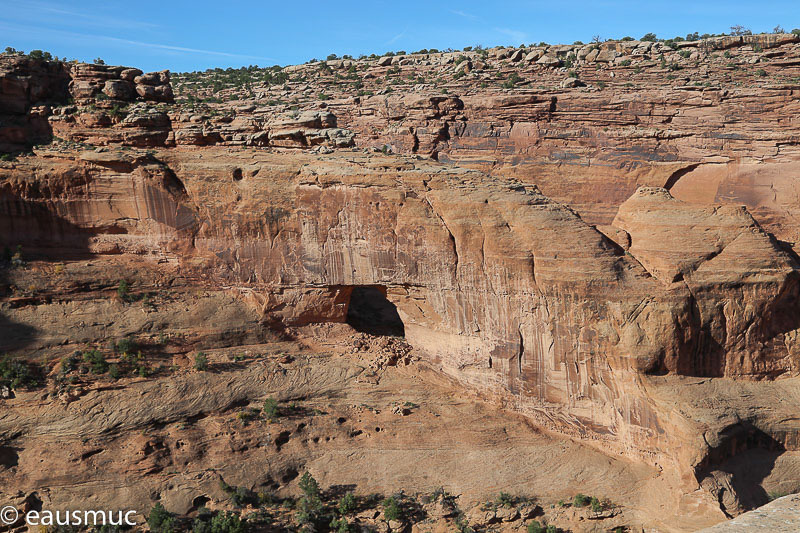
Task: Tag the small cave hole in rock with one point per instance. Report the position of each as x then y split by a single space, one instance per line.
8 457
200 501
370 312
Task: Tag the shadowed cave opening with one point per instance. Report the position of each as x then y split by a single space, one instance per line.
744 457
370 312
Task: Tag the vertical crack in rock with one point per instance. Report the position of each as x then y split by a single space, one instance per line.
451 237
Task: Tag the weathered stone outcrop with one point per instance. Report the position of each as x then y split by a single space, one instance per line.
27 88
35 104
744 287
779 516
295 130
118 83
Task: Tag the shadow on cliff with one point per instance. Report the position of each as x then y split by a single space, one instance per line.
30 231
26 86
369 311
744 457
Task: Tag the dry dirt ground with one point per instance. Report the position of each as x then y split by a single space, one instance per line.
357 412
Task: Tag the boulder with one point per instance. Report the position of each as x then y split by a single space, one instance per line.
119 90
129 74
570 82
548 61
534 55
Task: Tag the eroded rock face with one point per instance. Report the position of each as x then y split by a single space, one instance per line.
503 289
705 119
35 104
511 293
118 83
27 87
743 285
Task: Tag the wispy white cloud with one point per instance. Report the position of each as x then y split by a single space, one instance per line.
397 37
518 36
185 49
463 14
128 42
54 13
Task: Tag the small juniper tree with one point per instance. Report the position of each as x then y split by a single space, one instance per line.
347 504
310 504
201 362
391 509
270 408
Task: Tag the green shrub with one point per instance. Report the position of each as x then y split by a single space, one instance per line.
535 527
114 372
39 54
228 522
123 291
310 504
270 408
160 520
761 72
512 80
649 37
201 362
505 499
309 485
347 504
580 500
70 362
596 505
18 373
247 415
341 525
96 360
391 509
241 496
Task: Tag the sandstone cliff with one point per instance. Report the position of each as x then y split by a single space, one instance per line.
659 322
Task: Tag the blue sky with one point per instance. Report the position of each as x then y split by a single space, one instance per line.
180 35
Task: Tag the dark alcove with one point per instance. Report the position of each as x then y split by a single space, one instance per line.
370 312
